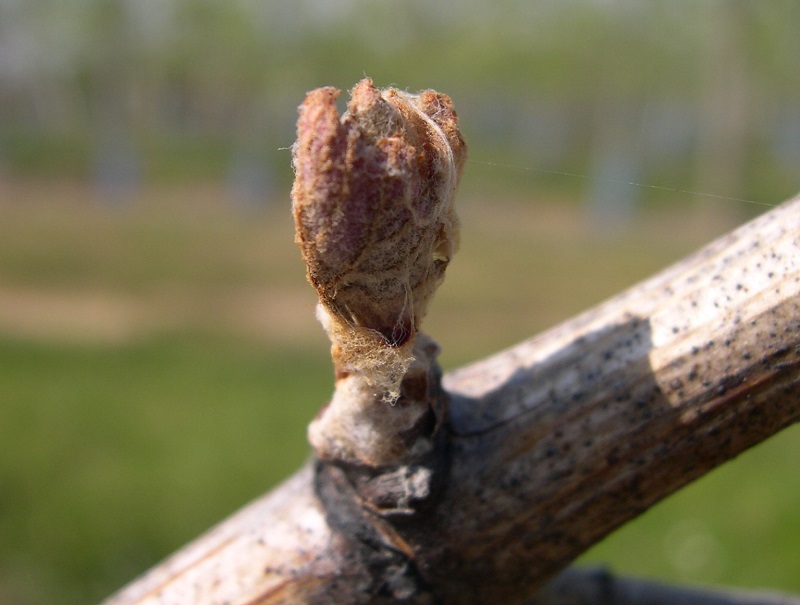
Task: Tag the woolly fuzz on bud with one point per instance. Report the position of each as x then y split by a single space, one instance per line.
373 209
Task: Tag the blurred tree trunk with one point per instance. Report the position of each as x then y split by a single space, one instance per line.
726 100
616 162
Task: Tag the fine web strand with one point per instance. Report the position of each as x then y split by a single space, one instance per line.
587 177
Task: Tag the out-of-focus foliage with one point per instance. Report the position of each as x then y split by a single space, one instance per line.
692 94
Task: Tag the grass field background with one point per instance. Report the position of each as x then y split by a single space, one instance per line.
159 361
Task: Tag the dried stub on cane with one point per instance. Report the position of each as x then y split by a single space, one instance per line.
373 208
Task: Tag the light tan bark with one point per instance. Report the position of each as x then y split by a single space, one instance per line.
549 446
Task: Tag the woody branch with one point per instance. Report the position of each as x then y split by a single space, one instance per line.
484 490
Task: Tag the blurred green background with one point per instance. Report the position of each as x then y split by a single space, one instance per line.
159 358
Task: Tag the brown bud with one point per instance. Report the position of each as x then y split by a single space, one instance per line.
373 208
